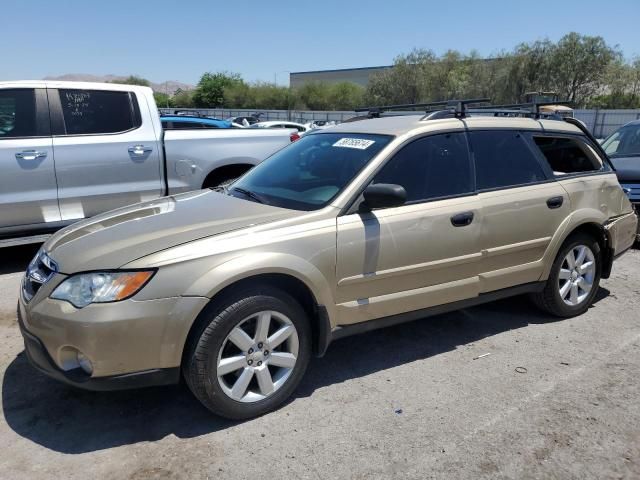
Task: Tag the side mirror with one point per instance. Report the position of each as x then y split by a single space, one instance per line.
384 195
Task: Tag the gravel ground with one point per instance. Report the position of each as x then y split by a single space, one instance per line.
405 402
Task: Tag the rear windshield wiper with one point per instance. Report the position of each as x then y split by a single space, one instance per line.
250 194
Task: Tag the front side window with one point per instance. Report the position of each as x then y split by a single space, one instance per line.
97 111
17 113
503 160
624 142
431 167
567 155
308 174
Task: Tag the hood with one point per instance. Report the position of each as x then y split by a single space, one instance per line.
627 169
118 237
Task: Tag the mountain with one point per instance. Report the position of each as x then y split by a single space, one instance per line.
169 86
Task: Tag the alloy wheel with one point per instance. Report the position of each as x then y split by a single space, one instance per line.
577 274
257 357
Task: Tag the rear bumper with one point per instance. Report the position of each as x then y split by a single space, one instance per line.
39 357
622 232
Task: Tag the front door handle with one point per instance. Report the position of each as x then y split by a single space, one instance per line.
30 155
139 150
462 219
555 202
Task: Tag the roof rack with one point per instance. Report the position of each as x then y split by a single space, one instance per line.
456 106
523 109
460 108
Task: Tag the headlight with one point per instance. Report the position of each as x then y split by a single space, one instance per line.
101 287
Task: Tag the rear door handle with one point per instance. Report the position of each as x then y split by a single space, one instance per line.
139 150
462 219
555 202
30 155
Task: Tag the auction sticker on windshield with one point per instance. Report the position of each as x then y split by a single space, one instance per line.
359 143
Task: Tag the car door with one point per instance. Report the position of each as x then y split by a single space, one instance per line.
420 254
522 205
106 156
28 190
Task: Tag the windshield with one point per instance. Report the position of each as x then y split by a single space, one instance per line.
309 173
625 142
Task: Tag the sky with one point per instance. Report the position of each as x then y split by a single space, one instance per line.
264 41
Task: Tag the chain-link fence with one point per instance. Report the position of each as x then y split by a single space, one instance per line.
601 122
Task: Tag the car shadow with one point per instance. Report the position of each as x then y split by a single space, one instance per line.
72 421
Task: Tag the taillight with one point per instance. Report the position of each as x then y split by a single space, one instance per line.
294 137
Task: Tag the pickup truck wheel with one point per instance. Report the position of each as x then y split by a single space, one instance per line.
251 354
574 279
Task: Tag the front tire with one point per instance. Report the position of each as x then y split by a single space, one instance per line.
251 354
574 279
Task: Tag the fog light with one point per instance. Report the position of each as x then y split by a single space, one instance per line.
85 363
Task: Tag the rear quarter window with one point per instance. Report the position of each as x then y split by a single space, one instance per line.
567 155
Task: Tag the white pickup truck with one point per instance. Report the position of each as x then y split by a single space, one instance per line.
71 150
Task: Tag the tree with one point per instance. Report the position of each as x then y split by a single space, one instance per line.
345 96
408 81
578 66
182 98
209 92
315 95
529 69
162 99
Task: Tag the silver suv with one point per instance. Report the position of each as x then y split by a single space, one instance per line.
363 225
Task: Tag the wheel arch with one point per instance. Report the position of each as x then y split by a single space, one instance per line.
312 299
590 225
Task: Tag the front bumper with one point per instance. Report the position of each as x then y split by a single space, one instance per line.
130 343
42 361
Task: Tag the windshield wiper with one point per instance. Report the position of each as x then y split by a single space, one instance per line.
250 194
221 188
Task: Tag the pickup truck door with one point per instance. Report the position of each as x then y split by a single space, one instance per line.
107 151
28 195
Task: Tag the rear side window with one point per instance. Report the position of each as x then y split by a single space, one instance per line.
97 111
503 160
17 113
431 167
567 155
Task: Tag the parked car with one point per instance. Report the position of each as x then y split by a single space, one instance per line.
176 122
244 121
282 124
72 150
365 225
623 148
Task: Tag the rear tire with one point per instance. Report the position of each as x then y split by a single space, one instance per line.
574 278
250 353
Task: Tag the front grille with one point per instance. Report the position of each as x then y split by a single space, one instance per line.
39 272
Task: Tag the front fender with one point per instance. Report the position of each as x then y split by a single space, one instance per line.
251 265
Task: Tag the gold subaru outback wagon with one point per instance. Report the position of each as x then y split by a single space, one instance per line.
363 225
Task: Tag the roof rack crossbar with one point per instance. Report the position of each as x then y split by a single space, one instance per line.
458 106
